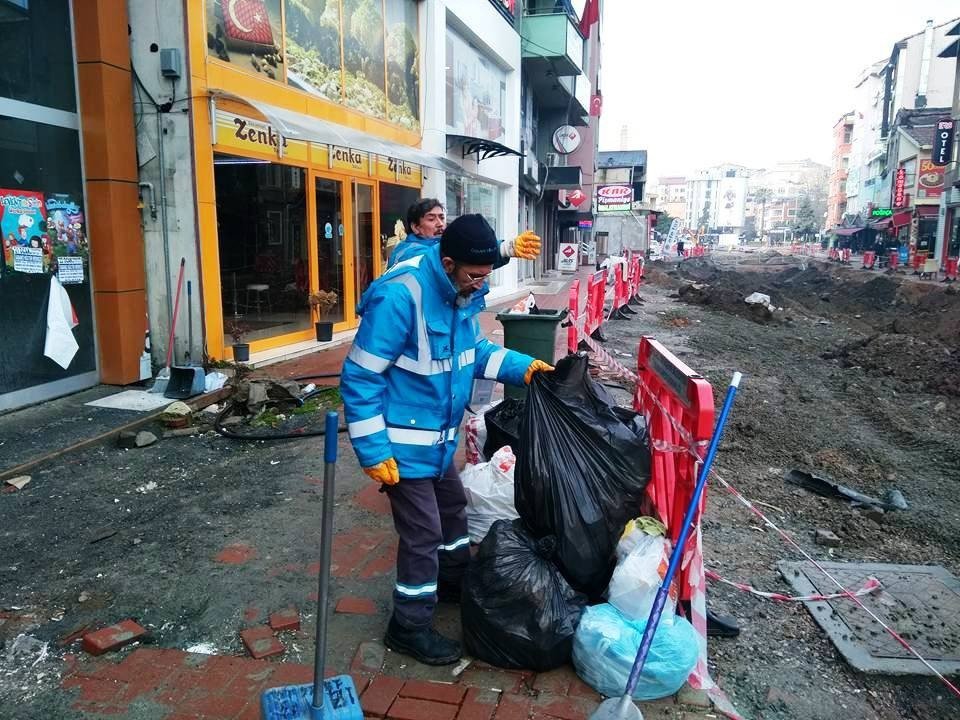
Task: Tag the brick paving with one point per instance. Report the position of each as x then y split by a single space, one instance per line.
187 685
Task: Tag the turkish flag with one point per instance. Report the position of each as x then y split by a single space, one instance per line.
591 14
246 22
596 105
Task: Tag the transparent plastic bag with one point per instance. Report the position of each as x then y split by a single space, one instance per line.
606 644
489 490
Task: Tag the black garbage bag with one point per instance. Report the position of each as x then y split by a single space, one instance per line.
503 426
581 471
516 609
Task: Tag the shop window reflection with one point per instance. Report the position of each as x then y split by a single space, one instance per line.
330 243
262 235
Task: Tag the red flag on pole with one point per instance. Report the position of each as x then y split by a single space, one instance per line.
591 14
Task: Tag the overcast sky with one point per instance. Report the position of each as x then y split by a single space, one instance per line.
753 82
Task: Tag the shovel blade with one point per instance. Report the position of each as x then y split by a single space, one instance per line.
621 708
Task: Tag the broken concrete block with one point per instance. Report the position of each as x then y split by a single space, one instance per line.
130 440
261 643
826 538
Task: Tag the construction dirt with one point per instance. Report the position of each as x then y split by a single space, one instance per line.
853 375
196 538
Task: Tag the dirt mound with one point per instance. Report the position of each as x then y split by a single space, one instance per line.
921 363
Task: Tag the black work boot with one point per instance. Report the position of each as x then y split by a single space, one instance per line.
425 644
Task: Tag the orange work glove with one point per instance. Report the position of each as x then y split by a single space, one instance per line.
535 367
525 246
386 472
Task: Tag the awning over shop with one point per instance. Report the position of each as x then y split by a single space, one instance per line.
880 224
843 232
928 210
297 126
902 218
480 147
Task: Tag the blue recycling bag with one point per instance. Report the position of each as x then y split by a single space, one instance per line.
606 644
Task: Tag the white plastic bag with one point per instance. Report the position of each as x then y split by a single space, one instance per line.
489 490
642 561
476 434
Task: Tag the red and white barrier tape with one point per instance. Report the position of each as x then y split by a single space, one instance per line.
869 586
617 369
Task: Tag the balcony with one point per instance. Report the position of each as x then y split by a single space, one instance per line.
551 42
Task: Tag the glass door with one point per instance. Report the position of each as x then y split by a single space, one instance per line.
331 260
365 250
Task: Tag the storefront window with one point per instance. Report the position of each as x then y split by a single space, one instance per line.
476 90
465 196
262 233
38 53
44 234
953 235
330 243
926 234
394 202
362 53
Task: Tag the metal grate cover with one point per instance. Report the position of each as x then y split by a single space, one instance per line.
921 602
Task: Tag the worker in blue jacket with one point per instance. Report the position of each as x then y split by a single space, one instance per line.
426 220
405 384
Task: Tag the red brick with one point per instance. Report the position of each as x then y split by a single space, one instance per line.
562 708
556 682
372 500
351 549
479 704
217 705
113 637
252 681
513 707
352 605
380 694
236 554
383 561
368 659
435 691
484 676
260 642
291 674
411 709
288 619
95 690
578 688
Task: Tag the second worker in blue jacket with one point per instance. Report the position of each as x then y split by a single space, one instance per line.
405 385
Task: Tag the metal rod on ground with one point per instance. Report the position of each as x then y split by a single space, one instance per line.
163 377
623 708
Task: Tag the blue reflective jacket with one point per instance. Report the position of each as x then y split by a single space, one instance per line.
409 375
414 245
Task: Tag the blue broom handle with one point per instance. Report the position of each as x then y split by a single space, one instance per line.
326 539
657 610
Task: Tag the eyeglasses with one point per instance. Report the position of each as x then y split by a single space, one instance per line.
475 279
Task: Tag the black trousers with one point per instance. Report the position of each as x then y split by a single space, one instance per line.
431 519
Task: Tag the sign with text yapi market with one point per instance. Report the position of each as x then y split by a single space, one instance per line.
614 198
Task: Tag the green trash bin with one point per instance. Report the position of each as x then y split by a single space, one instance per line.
533 334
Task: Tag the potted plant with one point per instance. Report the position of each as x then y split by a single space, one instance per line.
238 331
322 302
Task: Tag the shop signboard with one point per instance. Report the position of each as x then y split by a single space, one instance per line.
614 198
568 257
360 53
398 171
929 180
900 187
881 213
242 134
566 139
943 142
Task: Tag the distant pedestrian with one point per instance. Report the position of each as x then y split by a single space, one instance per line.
679 248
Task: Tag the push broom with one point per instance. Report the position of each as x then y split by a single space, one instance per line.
623 707
332 698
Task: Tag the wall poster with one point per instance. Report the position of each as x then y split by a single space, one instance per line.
38 229
476 91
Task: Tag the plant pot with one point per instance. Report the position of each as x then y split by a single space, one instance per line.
241 352
324 331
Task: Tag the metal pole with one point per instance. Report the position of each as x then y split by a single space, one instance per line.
326 540
163 217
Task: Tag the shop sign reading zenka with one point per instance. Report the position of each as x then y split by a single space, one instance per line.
614 198
238 133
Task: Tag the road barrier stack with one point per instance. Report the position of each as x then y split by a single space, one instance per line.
677 404
869 259
950 269
846 256
575 320
894 262
917 261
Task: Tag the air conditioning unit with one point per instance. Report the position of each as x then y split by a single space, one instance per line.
556 160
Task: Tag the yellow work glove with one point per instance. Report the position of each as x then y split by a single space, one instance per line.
535 367
386 472
525 246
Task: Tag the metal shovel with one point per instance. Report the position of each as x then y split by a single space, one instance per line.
623 708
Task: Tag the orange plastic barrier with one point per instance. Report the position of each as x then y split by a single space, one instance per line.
950 270
869 258
894 261
573 317
593 313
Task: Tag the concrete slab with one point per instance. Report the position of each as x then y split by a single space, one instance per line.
920 602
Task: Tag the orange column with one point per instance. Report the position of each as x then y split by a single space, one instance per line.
109 143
